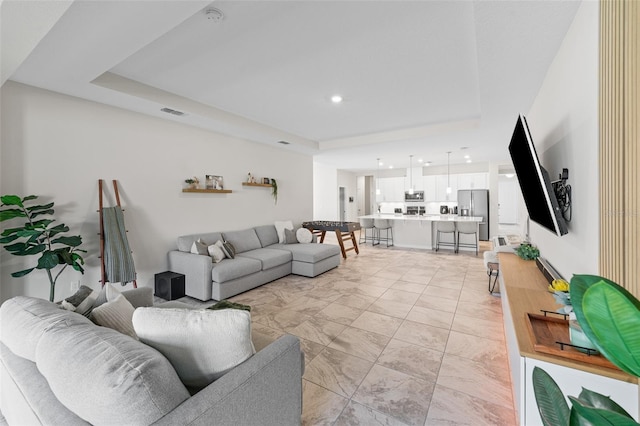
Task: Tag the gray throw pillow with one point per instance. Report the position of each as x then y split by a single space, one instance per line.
79 296
229 250
290 236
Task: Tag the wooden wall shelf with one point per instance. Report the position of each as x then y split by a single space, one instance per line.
209 191
264 185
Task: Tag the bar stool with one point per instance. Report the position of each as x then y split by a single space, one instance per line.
447 227
467 228
493 268
383 225
367 223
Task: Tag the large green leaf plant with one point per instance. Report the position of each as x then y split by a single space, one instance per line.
610 317
39 236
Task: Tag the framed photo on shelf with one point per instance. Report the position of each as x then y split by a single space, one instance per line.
214 182
266 181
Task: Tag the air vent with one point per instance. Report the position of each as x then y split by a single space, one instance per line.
172 111
284 142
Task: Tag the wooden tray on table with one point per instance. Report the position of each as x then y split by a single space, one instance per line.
546 331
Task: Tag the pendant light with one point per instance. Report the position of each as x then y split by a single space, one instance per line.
448 174
378 179
411 174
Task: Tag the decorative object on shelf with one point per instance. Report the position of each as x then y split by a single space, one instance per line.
39 237
250 178
274 190
192 182
610 317
266 181
214 182
527 251
560 290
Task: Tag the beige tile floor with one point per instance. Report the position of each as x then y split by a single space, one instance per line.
394 337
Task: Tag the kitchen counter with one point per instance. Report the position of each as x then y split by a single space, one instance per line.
414 231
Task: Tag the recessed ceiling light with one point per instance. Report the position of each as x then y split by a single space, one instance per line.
419 160
336 99
381 163
509 175
467 157
391 166
468 161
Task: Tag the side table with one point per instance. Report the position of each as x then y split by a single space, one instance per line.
169 285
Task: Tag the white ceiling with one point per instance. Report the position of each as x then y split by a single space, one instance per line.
418 77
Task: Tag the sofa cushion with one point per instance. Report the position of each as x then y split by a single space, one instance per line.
201 344
186 241
100 374
267 235
280 226
23 321
269 258
115 314
244 240
310 253
230 269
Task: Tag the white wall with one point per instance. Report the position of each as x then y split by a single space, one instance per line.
325 192
564 125
349 181
58 147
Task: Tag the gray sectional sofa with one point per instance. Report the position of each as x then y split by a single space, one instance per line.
260 258
58 368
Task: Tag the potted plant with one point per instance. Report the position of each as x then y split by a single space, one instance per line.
192 182
610 317
274 190
39 236
527 251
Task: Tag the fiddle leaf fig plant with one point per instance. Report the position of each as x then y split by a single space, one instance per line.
610 317
39 237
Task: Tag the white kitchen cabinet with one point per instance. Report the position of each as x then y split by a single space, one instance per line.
416 174
442 181
429 185
399 186
473 181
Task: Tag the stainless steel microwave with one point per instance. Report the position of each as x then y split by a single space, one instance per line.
416 196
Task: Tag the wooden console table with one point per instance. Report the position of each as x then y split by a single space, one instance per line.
524 290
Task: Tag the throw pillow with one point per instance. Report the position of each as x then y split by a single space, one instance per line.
280 227
202 345
117 315
225 304
229 250
86 306
304 235
215 252
79 296
290 236
199 247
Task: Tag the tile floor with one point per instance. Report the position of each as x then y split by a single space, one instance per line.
394 337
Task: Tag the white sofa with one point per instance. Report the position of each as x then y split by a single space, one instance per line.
260 259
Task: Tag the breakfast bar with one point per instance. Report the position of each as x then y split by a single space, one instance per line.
416 231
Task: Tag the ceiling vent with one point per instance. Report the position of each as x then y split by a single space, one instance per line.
284 142
172 111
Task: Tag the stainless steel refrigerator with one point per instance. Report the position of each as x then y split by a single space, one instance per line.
477 201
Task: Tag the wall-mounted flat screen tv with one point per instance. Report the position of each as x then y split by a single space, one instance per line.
534 181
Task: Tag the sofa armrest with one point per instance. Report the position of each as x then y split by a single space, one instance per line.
139 297
197 273
264 390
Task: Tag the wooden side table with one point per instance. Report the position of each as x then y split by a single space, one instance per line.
169 285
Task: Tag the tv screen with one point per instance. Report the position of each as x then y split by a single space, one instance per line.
534 181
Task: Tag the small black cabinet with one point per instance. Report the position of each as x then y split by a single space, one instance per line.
169 285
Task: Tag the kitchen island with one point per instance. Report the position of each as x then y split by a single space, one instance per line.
414 231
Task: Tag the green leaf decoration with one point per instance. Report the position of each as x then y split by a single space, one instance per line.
11 214
16 248
28 233
42 207
33 250
597 400
10 231
40 213
29 198
39 224
610 317
58 229
8 239
597 416
49 260
11 200
552 406
22 273
70 241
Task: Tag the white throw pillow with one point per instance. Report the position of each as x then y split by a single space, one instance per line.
116 314
280 227
199 247
201 344
216 252
303 235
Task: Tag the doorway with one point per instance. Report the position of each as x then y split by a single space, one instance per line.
342 204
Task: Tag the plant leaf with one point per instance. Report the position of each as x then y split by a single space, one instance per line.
58 229
610 317
598 416
48 260
27 233
16 247
22 273
11 200
74 241
29 198
10 231
11 214
8 239
552 406
40 213
39 224
40 207
597 400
